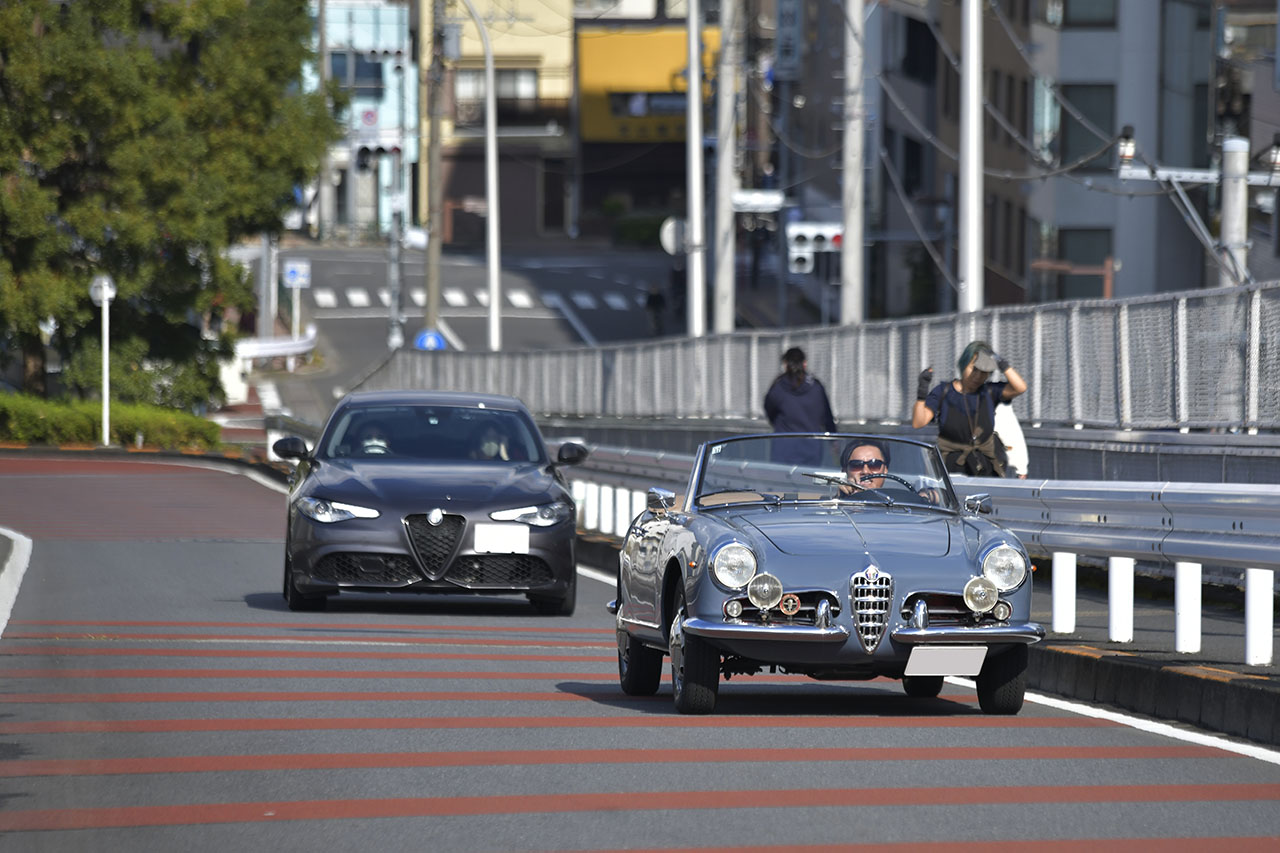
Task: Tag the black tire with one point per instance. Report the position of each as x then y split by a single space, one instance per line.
558 606
922 686
695 667
1002 684
639 666
295 599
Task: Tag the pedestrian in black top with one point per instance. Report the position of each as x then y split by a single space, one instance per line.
797 402
965 411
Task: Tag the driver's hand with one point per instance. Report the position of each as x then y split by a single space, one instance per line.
933 496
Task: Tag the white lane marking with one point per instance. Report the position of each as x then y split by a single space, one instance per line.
324 297
595 274
1151 726
12 571
553 301
597 575
583 300
384 296
419 296
617 301
520 298
482 297
455 297
358 297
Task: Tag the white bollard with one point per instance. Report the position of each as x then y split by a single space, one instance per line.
579 488
1064 593
1186 608
591 515
606 510
1259 616
622 507
1120 599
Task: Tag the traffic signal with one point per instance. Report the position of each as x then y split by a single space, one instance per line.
362 159
804 239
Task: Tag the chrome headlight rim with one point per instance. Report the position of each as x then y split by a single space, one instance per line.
1005 566
537 515
325 511
730 574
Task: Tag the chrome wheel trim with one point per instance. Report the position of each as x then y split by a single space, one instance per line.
676 644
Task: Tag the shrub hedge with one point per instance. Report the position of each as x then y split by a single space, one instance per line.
34 420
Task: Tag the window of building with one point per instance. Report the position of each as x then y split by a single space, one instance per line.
993 98
516 92
1088 13
920 54
912 165
1082 247
1097 103
356 73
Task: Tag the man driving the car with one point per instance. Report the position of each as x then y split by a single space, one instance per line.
861 461
373 439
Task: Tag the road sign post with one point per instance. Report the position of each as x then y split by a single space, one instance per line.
297 275
102 290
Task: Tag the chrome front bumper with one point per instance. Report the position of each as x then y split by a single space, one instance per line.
1014 632
730 630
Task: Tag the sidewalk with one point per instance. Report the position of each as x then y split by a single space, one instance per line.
1213 690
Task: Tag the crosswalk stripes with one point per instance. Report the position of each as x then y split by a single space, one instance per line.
624 299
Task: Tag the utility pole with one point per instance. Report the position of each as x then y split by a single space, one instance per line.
696 303
324 192
851 248
971 160
435 181
1232 249
726 252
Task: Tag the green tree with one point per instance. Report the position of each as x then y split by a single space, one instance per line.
141 139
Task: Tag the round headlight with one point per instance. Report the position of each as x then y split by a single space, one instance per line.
734 565
980 595
1005 567
765 591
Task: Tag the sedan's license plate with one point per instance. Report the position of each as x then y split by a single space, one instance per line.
946 660
501 539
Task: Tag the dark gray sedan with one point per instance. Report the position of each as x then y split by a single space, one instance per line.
833 556
413 491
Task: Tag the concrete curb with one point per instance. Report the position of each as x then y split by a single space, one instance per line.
1245 706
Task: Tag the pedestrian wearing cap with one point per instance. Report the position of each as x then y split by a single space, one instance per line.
965 411
797 402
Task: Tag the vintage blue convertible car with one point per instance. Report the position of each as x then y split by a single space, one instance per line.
840 557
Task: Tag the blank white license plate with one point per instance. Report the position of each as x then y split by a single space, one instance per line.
501 539
946 660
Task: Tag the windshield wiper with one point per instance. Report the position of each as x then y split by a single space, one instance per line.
845 481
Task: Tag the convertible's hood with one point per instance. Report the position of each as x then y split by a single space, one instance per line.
416 487
823 531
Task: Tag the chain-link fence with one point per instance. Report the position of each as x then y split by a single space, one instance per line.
1201 359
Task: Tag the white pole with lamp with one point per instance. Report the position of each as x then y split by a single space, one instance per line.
102 290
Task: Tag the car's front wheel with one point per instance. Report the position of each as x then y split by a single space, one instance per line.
639 666
1002 683
294 597
695 667
922 686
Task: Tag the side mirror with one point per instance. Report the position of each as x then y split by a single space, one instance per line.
290 447
660 500
978 503
571 453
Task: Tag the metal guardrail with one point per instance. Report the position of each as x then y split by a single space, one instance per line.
250 348
1182 527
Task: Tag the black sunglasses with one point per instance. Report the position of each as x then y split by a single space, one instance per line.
859 464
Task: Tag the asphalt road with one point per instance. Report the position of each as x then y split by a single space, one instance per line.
158 696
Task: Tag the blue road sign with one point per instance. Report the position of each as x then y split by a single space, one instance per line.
429 339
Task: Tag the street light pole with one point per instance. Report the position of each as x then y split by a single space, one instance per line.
491 183
102 290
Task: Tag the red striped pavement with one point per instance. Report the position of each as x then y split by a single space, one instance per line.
488 758
632 801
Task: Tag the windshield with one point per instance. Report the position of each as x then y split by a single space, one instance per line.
864 469
434 433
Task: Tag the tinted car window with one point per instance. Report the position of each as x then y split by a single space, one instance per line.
433 433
